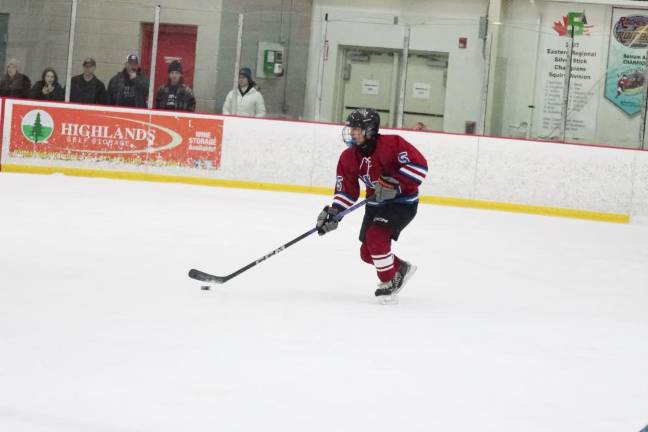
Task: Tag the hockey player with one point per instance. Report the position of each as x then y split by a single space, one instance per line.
392 170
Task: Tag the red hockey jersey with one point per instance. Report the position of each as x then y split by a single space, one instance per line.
394 157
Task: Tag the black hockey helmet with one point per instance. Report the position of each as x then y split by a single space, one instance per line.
366 119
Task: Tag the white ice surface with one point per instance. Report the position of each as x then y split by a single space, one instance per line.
512 323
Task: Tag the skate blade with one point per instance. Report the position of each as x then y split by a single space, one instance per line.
387 300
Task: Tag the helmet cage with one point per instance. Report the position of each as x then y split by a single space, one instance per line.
367 133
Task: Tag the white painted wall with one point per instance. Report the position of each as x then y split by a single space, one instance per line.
490 169
436 26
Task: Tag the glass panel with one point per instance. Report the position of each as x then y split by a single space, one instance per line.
370 80
106 36
444 73
362 67
274 53
621 89
34 37
605 87
527 82
188 64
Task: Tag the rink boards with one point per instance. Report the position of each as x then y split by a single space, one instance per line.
587 182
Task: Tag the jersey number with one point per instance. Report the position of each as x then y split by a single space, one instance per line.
402 158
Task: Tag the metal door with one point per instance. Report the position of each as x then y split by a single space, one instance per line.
176 42
369 80
425 91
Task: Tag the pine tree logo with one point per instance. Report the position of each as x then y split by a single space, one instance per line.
37 126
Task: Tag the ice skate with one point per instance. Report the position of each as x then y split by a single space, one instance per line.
387 291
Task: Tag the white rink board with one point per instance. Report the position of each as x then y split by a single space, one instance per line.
490 169
640 190
555 175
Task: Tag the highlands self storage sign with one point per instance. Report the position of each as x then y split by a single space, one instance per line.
68 132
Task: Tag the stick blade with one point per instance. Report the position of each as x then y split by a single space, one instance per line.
206 277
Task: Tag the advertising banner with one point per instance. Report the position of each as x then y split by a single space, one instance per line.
626 67
131 137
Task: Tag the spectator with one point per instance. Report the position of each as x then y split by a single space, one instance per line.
249 99
419 126
14 84
48 88
130 86
175 95
87 88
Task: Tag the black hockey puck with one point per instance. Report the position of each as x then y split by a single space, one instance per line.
205 287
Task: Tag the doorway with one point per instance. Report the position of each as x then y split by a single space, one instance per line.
370 78
4 37
425 91
175 42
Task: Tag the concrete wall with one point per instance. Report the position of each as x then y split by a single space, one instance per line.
108 31
38 34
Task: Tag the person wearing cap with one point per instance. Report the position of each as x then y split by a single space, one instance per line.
249 99
48 88
87 88
130 86
175 95
15 84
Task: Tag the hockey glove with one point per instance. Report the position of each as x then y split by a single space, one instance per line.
386 188
327 220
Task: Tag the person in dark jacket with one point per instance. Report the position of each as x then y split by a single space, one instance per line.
130 86
48 88
14 84
87 88
175 95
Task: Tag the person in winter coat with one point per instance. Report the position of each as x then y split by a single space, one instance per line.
87 88
48 88
130 86
175 95
14 84
249 99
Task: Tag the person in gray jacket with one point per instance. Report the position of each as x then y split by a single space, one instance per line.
130 86
15 84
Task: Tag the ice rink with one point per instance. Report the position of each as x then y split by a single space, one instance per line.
512 323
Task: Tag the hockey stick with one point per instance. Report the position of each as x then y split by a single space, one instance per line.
206 277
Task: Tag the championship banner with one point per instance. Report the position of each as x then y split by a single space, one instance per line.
131 137
586 70
624 84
